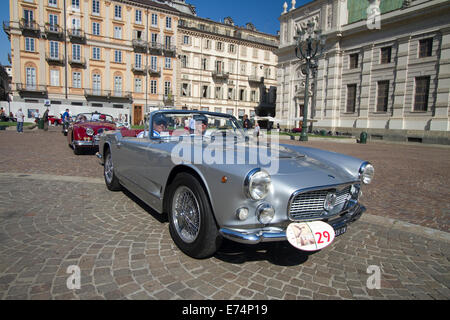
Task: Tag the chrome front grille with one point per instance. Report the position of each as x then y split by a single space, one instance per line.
310 205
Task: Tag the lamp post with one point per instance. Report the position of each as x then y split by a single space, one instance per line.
309 43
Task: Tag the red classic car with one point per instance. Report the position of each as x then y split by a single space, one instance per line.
83 132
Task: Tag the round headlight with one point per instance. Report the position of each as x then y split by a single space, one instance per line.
366 173
90 132
257 184
265 213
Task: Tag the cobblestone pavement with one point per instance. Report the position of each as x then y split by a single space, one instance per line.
411 181
124 250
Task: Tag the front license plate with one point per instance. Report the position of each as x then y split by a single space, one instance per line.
340 231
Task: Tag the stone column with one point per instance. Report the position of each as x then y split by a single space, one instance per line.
441 119
401 70
365 87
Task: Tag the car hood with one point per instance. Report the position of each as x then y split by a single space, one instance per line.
291 164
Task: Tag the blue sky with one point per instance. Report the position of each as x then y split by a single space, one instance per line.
262 13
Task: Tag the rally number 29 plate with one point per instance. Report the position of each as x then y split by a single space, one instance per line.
310 236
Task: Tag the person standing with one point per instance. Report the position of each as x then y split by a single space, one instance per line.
45 117
257 130
246 123
20 118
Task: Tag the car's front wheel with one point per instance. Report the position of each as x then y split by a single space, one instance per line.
191 221
112 182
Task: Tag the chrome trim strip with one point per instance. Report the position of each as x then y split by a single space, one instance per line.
82 143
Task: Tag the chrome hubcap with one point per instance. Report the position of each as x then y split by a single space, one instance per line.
109 169
186 214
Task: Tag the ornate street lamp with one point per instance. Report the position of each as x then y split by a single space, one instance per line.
309 46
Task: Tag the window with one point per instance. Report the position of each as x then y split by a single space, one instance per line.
154 63
253 96
382 96
138 17
230 112
30 78
53 22
243 69
351 98
425 47
218 93
353 61
96 83
54 78
242 95
204 64
219 66
185 90
184 61
29 44
186 40
153 86
232 48
95 28
118 85
76 80
154 19
54 49
219 46
28 16
96 7
154 39
167 42
205 91
117 56
138 60
386 55
76 4
168 23
138 85
53 3
230 94
117 32
167 90
207 44
96 53
422 92
168 63
118 12
76 52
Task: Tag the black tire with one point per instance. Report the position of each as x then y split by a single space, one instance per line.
76 150
207 239
111 180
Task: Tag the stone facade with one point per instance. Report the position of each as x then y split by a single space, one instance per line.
391 79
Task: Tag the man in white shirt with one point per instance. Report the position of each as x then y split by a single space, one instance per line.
20 118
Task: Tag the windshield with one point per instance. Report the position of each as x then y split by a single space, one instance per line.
96 117
175 124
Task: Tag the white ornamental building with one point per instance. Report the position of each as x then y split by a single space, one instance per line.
385 69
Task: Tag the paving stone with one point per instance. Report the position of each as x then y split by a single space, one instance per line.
124 251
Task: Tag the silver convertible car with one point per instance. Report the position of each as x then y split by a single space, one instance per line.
215 180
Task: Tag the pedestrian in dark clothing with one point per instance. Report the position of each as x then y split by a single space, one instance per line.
45 117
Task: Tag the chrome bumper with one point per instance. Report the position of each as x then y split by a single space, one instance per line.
82 143
278 234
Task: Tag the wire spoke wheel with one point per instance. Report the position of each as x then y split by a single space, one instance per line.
186 214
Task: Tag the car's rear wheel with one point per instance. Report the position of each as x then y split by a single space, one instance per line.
191 221
112 182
